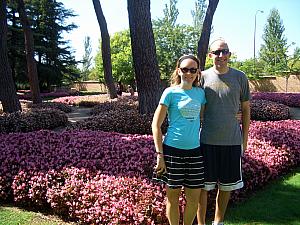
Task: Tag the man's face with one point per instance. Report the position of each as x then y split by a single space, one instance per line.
220 54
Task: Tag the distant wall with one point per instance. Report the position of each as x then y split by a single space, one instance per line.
276 84
90 86
266 84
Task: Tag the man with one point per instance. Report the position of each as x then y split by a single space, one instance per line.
222 142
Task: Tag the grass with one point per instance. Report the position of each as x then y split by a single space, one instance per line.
278 203
10 215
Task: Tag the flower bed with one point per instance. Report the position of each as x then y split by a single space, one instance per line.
105 178
265 110
51 105
273 150
26 95
86 101
289 99
32 120
120 115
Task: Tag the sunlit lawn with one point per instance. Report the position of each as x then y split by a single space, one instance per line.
278 203
10 215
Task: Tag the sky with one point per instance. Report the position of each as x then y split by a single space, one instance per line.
233 20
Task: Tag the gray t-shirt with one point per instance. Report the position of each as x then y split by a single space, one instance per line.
223 93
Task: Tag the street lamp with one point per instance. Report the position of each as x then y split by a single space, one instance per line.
254 40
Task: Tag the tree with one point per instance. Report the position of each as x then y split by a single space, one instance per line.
87 58
8 95
294 62
198 14
206 30
105 47
273 51
121 54
173 40
55 62
31 64
144 55
170 13
293 66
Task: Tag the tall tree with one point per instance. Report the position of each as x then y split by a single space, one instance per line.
87 58
198 14
55 61
105 48
206 30
8 95
274 50
171 13
121 54
29 49
144 55
173 40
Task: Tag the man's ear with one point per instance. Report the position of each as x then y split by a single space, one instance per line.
210 55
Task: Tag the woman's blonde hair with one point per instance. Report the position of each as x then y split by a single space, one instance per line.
175 78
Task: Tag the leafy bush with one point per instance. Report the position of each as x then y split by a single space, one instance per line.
273 150
289 99
268 111
91 176
36 119
86 101
26 94
51 105
126 122
105 178
120 116
120 105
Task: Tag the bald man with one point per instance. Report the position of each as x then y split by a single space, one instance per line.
222 140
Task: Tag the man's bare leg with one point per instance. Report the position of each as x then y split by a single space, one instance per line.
201 212
222 200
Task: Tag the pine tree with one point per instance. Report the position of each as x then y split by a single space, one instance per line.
86 59
274 50
105 49
8 95
144 55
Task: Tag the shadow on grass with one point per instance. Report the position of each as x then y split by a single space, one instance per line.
278 203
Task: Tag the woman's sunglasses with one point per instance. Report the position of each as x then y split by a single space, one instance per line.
185 70
218 52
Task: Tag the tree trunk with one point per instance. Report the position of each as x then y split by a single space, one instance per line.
206 30
144 55
31 64
8 95
105 49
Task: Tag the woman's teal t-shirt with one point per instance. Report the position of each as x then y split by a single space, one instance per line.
183 116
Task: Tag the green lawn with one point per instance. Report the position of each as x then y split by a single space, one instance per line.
278 203
10 215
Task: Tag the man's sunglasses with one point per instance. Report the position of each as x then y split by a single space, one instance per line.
218 52
185 70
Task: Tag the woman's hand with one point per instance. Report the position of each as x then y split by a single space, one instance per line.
238 116
160 167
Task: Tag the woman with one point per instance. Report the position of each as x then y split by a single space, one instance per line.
179 159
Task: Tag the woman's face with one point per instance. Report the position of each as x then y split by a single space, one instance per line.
188 71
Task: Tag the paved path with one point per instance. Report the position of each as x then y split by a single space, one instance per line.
295 113
79 113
